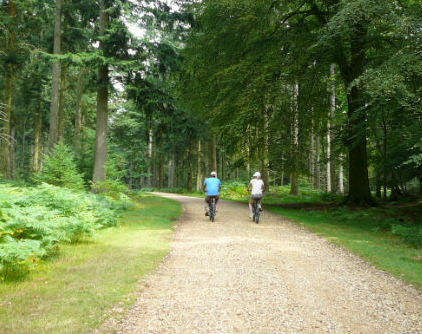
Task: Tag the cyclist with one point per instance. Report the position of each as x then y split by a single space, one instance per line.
258 187
212 187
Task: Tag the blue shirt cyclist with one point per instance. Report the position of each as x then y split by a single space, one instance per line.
212 187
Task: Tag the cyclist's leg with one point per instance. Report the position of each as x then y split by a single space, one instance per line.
207 205
251 207
216 203
260 204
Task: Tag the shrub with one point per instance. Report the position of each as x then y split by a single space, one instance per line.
59 169
411 234
35 221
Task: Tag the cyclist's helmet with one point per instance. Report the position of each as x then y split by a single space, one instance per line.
213 174
257 174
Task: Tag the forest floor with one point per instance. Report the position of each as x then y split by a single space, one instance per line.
235 276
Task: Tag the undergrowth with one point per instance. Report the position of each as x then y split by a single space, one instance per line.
34 221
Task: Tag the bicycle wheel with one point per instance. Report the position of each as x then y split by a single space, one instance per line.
212 209
257 212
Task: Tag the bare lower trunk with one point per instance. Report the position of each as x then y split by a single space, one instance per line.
213 153
100 156
12 150
294 182
265 160
311 153
340 174
63 72
150 139
37 140
8 91
318 163
199 167
55 84
189 181
170 177
330 116
78 118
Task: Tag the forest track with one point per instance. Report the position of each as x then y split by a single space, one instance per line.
234 276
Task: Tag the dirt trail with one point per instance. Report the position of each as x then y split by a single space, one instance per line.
234 276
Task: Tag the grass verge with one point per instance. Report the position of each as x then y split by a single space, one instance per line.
366 233
71 292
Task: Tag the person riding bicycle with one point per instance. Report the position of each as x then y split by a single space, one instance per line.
212 187
258 187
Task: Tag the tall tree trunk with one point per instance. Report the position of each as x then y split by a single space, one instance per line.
55 85
100 156
170 175
78 118
265 159
22 164
340 174
312 153
189 183
37 140
199 167
359 192
160 158
213 153
294 177
8 91
330 117
63 72
150 139
318 163
12 150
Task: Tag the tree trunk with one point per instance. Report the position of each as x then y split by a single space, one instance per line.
54 106
199 168
63 72
189 183
12 150
312 152
170 177
318 163
37 140
8 91
160 159
340 174
330 117
78 123
100 156
213 154
265 158
294 182
359 193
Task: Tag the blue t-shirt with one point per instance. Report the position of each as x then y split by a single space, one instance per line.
212 185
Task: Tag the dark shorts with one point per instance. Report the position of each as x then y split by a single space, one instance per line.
256 196
208 198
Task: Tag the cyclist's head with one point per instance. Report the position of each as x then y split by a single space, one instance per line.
213 174
257 175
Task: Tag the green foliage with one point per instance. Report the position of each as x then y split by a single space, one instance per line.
59 169
411 234
34 221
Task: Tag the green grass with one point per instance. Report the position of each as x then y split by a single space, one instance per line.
71 292
366 233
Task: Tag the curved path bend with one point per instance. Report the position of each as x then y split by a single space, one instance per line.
234 276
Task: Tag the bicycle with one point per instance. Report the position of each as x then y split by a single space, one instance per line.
212 208
255 210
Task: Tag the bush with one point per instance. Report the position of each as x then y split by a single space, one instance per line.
35 221
59 169
411 234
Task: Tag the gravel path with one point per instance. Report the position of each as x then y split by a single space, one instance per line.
234 276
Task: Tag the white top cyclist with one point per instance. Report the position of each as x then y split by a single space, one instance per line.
257 185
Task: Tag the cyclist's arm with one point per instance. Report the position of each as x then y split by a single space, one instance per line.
249 186
263 187
204 187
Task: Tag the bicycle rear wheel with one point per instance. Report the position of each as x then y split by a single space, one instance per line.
212 209
257 212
